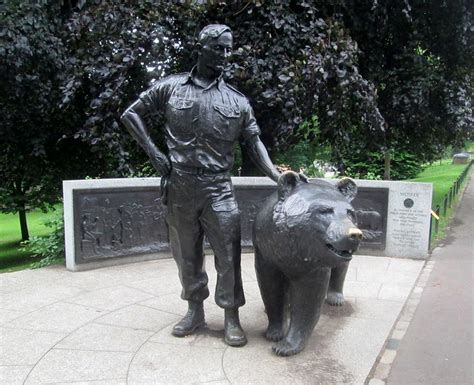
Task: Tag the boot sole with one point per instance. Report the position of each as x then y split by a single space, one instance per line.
235 344
184 333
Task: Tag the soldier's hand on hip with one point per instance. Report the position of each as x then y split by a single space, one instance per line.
162 164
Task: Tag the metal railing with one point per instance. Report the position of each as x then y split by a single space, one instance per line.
447 201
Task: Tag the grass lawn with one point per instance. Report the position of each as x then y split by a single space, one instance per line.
442 175
12 258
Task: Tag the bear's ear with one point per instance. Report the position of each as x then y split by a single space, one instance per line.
348 188
287 182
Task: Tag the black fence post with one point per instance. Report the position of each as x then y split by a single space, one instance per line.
448 200
437 220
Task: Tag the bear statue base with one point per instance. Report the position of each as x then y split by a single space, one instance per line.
304 237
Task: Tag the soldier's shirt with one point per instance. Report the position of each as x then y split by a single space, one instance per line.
202 124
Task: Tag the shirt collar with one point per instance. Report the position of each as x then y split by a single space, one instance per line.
219 82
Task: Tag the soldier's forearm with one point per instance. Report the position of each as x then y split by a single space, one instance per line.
259 155
137 128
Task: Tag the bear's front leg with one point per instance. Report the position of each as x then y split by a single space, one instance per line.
306 298
336 285
273 285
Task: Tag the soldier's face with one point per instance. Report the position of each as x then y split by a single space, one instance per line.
215 52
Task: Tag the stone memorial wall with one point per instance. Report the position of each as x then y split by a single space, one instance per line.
111 221
408 217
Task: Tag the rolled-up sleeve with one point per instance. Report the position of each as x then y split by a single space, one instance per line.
155 98
250 127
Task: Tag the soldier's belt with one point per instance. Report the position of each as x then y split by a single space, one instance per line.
198 170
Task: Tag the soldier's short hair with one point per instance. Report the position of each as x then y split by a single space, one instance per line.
212 31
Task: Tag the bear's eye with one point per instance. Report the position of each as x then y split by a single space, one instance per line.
325 210
351 215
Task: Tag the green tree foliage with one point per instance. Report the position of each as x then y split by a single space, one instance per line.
35 153
32 59
418 54
117 50
379 76
288 60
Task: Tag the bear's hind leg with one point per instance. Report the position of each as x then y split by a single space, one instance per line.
306 298
336 285
272 284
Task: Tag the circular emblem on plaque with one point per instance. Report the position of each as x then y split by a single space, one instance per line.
408 203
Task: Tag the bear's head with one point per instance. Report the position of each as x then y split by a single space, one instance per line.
319 214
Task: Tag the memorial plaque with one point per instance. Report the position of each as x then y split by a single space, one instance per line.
371 204
408 217
118 222
408 220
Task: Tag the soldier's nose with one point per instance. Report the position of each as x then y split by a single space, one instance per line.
355 234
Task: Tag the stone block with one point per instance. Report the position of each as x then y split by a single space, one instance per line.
408 218
114 221
461 158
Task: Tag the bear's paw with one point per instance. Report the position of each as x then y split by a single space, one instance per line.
335 298
287 348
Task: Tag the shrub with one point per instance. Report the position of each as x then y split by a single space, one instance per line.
403 165
306 154
50 247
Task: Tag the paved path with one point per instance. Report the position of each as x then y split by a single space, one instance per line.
438 345
112 326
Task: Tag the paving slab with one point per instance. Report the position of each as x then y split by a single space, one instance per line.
14 374
63 366
113 326
25 347
61 317
440 334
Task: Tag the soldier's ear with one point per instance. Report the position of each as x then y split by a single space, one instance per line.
197 49
287 182
348 188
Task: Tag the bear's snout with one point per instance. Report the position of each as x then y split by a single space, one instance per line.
355 234
343 235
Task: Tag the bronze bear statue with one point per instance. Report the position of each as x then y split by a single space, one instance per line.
304 237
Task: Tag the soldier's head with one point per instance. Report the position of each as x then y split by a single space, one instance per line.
214 48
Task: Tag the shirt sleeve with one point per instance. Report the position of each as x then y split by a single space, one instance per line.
156 97
250 126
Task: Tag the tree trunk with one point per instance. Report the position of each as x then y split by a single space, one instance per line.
386 173
23 224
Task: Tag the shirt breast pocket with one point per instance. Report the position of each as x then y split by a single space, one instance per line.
179 114
227 121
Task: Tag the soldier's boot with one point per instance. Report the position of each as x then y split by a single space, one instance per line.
233 332
193 319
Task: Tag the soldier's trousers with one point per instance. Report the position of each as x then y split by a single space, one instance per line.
201 205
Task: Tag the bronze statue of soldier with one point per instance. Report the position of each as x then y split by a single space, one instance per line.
205 117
